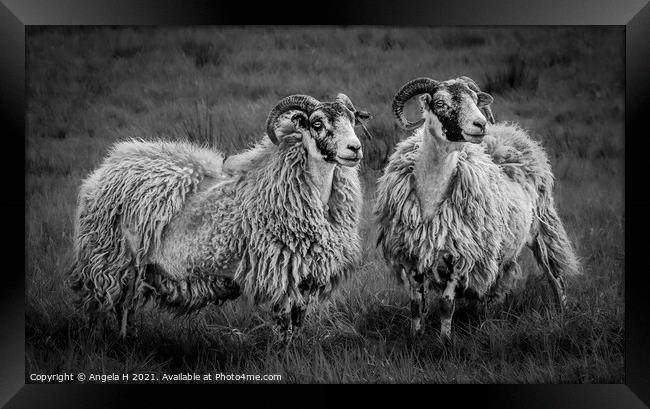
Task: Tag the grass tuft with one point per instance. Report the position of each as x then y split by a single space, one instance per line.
126 51
514 74
198 127
463 40
203 53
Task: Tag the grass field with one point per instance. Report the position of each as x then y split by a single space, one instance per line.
89 87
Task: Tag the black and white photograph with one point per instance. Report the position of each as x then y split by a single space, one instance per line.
325 204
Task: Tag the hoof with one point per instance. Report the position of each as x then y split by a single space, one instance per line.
415 335
417 327
445 334
131 333
445 340
282 338
283 343
96 332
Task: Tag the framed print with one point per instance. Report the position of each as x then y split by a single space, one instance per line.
218 194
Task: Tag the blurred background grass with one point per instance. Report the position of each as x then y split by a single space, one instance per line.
89 87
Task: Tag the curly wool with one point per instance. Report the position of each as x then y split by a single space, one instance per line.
270 217
171 205
478 221
123 208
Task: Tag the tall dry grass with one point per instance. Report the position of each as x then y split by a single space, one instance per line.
90 87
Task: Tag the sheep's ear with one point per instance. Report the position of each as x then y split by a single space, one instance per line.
299 120
360 116
484 99
294 124
425 100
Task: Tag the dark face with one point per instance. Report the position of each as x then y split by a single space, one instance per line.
329 135
452 112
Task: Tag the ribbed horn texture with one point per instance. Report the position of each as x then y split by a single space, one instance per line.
345 100
487 111
359 116
409 90
304 103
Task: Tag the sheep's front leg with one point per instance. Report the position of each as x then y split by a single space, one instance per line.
447 301
298 316
416 286
307 289
282 318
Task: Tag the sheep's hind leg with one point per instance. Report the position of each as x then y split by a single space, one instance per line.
557 282
125 308
554 277
123 314
95 320
511 273
447 302
127 313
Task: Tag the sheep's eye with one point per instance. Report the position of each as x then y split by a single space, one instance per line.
439 104
317 125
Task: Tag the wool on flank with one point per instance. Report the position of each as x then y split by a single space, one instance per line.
123 209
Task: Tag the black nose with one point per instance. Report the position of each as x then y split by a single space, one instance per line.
354 148
480 123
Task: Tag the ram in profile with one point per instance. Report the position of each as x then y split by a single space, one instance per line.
170 222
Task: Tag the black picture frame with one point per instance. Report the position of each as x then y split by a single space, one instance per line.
633 14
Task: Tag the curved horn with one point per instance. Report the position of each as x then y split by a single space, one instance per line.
345 100
359 116
409 90
487 111
304 103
